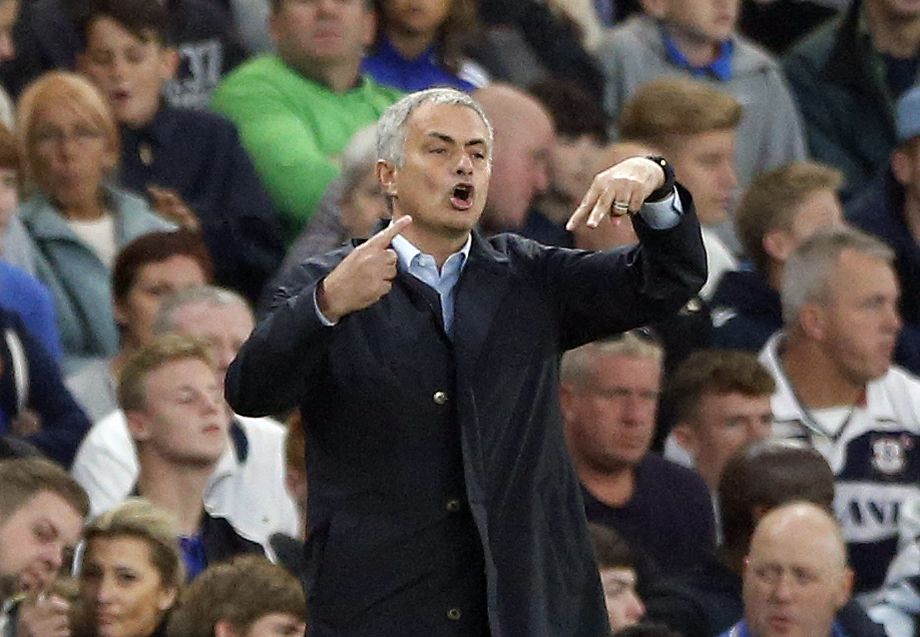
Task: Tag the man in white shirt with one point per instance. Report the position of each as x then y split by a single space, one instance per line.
838 391
247 486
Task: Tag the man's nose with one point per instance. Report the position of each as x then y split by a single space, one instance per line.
7 47
758 430
465 165
635 608
781 590
117 67
634 410
53 557
327 7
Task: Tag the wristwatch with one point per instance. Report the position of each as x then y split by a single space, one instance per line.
668 187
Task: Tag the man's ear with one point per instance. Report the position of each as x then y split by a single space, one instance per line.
685 436
566 398
370 28
169 62
813 321
224 628
167 598
386 176
119 314
139 425
901 166
778 245
842 596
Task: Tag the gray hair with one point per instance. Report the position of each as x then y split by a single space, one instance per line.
576 363
391 129
165 320
807 275
359 157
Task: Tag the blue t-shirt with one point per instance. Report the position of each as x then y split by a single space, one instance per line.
388 67
30 299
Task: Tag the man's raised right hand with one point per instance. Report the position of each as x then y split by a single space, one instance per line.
363 277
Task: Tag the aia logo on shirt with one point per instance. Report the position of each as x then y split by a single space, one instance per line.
889 453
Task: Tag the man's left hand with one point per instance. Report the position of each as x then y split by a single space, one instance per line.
44 616
620 190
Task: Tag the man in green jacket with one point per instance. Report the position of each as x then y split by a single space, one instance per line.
297 109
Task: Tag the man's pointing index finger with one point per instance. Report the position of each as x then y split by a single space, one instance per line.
385 236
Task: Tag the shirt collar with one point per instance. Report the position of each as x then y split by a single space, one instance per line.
406 252
720 68
386 50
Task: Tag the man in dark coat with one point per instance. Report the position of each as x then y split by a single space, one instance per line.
425 360
846 77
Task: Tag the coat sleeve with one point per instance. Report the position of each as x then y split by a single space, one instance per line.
254 222
283 357
63 423
602 293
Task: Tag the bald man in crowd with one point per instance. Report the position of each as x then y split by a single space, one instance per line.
520 162
796 576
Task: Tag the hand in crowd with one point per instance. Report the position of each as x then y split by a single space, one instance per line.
170 205
44 616
26 423
618 191
363 277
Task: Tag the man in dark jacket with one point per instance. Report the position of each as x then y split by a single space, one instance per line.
188 162
846 77
35 405
779 210
442 500
889 208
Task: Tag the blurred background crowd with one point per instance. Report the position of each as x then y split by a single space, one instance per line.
165 164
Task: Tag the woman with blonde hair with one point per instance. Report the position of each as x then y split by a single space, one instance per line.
69 145
131 572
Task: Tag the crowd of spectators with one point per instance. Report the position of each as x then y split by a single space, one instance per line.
749 466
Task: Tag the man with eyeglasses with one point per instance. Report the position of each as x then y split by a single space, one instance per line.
609 394
796 576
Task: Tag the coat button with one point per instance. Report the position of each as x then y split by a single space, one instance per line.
453 506
439 397
454 614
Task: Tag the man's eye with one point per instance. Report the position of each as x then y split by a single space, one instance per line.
127 578
44 533
101 57
135 57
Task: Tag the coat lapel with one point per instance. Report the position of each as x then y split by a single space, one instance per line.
482 287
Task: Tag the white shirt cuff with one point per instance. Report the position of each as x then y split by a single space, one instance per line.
319 313
663 214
